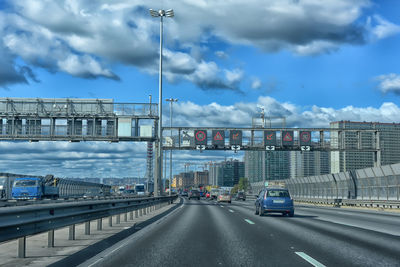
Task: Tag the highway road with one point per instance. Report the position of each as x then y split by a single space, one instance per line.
206 233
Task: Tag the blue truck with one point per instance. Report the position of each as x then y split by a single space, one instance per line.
35 188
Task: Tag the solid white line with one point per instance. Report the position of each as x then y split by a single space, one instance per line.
248 221
310 260
231 211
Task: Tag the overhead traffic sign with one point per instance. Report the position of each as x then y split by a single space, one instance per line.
287 138
235 137
269 138
305 138
235 148
200 137
218 137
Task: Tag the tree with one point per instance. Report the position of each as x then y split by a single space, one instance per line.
235 189
243 184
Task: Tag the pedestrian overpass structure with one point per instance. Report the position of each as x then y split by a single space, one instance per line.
74 120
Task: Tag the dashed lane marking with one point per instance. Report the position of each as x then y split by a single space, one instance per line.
231 211
310 260
248 221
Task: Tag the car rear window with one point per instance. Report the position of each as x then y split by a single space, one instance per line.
277 193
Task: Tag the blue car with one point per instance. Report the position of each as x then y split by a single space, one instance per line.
274 200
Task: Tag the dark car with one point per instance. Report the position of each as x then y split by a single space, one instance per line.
194 194
274 200
240 196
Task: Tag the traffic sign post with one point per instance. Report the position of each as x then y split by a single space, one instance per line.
287 138
218 137
200 137
235 148
235 137
305 138
200 147
270 138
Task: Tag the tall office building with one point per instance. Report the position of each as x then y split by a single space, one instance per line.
183 180
389 134
268 165
309 163
226 173
215 174
201 178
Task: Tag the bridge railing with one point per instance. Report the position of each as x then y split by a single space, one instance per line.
43 107
20 222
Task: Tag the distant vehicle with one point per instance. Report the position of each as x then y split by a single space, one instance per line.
129 192
53 188
6 187
240 196
184 193
120 190
224 196
274 200
140 190
34 188
93 192
214 193
194 194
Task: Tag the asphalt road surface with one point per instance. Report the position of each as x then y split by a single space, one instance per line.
206 233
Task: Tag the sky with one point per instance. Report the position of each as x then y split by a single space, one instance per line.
310 61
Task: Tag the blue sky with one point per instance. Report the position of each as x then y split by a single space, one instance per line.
308 60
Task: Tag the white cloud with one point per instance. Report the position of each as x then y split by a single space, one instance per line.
208 75
383 28
389 83
234 76
84 66
124 32
315 48
256 83
240 114
89 159
221 54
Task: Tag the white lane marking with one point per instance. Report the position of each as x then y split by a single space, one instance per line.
248 221
231 211
312 261
108 254
221 206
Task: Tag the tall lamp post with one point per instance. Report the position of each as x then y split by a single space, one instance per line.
171 101
160 13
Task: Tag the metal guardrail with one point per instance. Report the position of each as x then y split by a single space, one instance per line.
337 202
22 221
352 202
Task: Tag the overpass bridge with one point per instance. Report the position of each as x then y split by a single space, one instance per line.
74 120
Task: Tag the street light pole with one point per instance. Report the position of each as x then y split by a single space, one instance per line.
160 13
170 100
